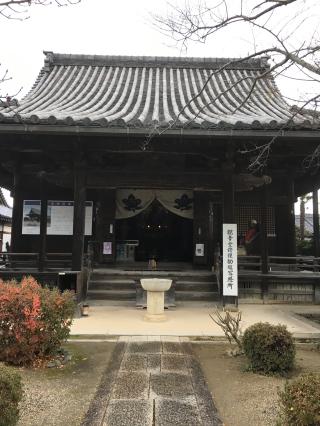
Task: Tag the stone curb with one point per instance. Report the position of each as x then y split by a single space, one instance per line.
98 405
208 411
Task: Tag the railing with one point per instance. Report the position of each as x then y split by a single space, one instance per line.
285 280
281 264
32 261
17 260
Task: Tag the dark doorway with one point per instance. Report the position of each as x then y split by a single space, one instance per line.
161 234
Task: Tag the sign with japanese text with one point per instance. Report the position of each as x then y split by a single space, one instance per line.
59 217
230 261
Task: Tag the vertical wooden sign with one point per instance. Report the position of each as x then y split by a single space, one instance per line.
230 260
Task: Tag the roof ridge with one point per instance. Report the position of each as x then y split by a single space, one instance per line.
53 58
3 201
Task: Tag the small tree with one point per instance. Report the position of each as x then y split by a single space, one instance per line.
230 323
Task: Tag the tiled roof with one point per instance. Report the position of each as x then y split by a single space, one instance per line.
5 210
147 92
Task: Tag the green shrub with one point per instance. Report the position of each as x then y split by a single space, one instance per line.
34 321
300 401
269 348
10 395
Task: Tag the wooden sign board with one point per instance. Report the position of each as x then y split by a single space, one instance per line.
230 260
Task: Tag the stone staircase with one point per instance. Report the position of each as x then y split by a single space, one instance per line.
118 285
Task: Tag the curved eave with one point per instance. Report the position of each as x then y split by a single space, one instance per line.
231 131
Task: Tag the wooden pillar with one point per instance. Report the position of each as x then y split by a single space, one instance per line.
291 249
105 225
316 231
43 226
228 198
79 211
17 211
263 231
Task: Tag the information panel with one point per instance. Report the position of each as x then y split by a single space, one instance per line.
59 219
230 261
31 217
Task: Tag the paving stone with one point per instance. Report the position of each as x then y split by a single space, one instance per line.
173 362
129 413
154 338
173 348
144 347
174 412
154 363
170 339
170 385
134 362
139 338
131 385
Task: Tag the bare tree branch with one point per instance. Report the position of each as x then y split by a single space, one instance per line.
18 9
280 42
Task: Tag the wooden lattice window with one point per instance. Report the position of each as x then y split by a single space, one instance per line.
244 214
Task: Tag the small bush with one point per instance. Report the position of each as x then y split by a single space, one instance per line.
10 395
34 321
300 401
270 348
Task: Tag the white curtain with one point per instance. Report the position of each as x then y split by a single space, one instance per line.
177 201
130 202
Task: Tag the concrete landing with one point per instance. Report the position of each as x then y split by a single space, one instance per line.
153 383
188 319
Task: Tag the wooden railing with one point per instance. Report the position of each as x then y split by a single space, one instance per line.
32 261
281 264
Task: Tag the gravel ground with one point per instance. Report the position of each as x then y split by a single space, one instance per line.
61 396
244 398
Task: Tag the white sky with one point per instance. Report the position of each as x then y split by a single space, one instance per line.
123 27
112 27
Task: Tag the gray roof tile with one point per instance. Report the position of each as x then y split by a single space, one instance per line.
128 91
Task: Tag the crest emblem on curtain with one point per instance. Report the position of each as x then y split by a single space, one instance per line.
183 203
132 203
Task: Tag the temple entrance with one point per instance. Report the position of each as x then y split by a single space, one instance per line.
155 233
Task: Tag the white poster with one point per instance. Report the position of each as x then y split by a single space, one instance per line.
199 250
31 217
59 219
107 247
230 261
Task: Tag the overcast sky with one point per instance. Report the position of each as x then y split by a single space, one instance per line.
117 27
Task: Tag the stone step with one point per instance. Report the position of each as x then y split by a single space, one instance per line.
101 276
195 286
204 296
111 295
112 285
120 285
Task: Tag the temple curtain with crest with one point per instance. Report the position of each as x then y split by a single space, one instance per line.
130 202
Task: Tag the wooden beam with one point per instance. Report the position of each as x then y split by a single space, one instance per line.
43 226
17 210
79 210
316 231
263 230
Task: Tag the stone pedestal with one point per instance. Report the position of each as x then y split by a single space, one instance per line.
155 288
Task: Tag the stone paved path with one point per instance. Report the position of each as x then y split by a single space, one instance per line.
153 384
